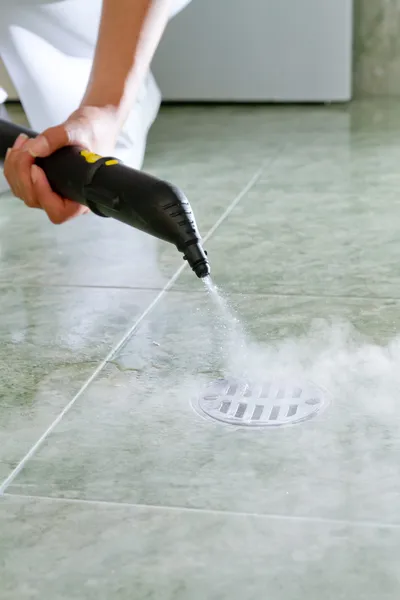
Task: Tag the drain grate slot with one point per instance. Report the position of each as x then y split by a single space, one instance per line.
274 414
241 409
296 393
292 410
225 406
258 411
232 390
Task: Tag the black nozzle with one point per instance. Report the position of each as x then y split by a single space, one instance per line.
197 259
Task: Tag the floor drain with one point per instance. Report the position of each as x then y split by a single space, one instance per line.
270 404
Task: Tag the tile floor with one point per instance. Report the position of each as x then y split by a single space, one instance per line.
112 486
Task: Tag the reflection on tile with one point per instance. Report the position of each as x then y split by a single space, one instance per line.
253 124
102 252
90 551
137 438
282 240
52 341
87 251
345 164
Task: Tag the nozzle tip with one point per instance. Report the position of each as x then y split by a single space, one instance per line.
202 269
197 259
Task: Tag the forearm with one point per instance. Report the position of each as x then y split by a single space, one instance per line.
128 37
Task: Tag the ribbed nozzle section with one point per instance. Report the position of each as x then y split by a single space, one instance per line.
197 259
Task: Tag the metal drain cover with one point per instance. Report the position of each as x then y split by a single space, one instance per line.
269 404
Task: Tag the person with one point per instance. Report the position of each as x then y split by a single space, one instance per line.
128 34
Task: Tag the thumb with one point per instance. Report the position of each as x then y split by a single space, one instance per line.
48 142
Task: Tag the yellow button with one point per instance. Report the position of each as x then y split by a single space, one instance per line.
90 157
110 162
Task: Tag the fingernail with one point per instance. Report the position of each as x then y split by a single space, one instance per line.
39 146
34 173
8 152
20 141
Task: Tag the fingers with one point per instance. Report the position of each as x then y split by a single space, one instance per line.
48 142
29 182
17 171
59 210
19 161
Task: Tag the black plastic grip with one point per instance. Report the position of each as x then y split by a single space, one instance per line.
8 134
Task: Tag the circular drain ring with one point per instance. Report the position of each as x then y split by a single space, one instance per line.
271 404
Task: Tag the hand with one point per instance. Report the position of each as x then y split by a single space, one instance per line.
90 127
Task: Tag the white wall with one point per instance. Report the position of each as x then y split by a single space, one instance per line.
258 50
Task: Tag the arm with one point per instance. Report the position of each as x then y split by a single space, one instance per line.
128 37
129 33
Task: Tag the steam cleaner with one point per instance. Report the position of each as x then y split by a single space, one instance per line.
111 189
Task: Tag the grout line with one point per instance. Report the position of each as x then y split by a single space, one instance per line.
240 195
256 292
15 472
209 511
126 337
235 202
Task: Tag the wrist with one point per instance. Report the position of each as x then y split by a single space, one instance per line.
94 127
117 100
112 104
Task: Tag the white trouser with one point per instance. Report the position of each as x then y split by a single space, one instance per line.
47 47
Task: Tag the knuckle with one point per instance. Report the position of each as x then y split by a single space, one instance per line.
31 203
55 218
49 132
14 191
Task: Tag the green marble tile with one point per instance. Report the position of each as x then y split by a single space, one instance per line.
207 148
337 166
348 162
322 217
52 339
282 240
88 251
252 123
69 551
137 439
